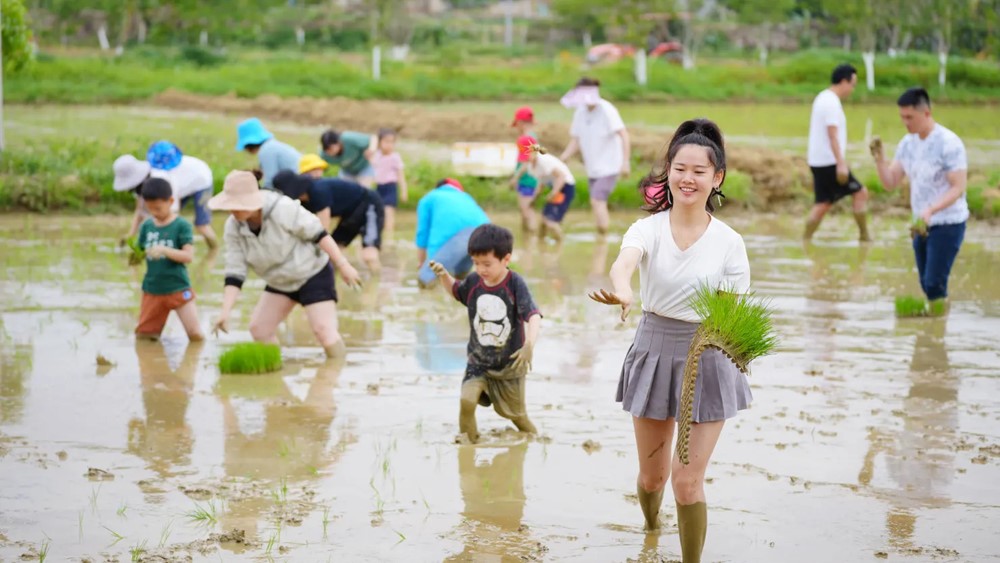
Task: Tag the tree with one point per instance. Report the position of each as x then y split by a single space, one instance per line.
860 16
764 15
16 47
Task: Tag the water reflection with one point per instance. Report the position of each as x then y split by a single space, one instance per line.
277 430
492 483
920 454
164 438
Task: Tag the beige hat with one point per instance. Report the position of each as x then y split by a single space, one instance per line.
240 192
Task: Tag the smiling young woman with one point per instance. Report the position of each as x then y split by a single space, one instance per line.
677 249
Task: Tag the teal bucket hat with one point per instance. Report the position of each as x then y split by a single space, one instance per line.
251 132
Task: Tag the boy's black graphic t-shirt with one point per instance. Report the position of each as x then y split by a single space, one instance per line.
496 319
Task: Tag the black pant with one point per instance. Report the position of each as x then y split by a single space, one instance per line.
366 219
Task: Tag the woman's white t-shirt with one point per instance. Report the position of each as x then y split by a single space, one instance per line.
669 277
190 176
544 169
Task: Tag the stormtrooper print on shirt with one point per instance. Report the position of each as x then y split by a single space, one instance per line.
496 320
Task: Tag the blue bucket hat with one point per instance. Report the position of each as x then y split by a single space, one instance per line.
251 132
164 155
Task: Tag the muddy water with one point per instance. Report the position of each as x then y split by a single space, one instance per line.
869 438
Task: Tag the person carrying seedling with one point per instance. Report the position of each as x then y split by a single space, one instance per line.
168 243
525 184
360 210
550 171
191 180
352 152
288 247
272 155
934 159
680 249
504 324
390 181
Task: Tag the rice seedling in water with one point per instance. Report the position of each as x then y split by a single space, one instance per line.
251 358
43 551
739 325
79 518
118 537
137 550
402 538
121 510
326 519
165 534
910 306
93 498
203 514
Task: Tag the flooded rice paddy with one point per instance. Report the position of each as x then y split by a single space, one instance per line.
870 438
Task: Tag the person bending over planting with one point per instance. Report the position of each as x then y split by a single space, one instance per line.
352 152
504 324
360 210
286 246
273 156
446 218
167 241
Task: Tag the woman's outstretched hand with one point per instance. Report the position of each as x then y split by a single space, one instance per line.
623 299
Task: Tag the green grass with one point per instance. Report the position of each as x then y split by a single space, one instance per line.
251 358
741 323
459 73
206 515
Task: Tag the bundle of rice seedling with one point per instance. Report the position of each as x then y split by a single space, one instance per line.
918 228
740 326
911 306
137 254
250 358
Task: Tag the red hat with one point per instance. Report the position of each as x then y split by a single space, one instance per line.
523 114
451 182
524 144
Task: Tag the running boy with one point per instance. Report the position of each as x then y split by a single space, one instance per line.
390 183
551 171
525 184
168 242
500 347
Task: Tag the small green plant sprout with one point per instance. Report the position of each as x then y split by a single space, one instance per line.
402 538
136 254
165 534
739 325
137 550
203 514
118 537
121 510
251 358
918 228
43 551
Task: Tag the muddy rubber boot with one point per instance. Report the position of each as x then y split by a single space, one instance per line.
811 227
650 502
336 350
692 523
861 218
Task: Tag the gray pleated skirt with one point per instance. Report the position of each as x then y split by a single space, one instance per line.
650 384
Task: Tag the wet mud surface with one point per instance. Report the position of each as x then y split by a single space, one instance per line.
869 439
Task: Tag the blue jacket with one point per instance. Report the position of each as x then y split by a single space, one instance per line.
442 213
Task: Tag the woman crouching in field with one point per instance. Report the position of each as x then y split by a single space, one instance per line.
288 247
679 248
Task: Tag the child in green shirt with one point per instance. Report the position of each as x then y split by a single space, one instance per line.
167 240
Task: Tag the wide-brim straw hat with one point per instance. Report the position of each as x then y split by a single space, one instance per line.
240 192
129 172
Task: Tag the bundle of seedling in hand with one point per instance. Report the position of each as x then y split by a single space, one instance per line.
251 358
739 325
136 253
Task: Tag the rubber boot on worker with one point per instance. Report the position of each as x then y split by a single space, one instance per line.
650 502
692 523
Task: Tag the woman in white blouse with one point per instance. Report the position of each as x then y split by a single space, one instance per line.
678 248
